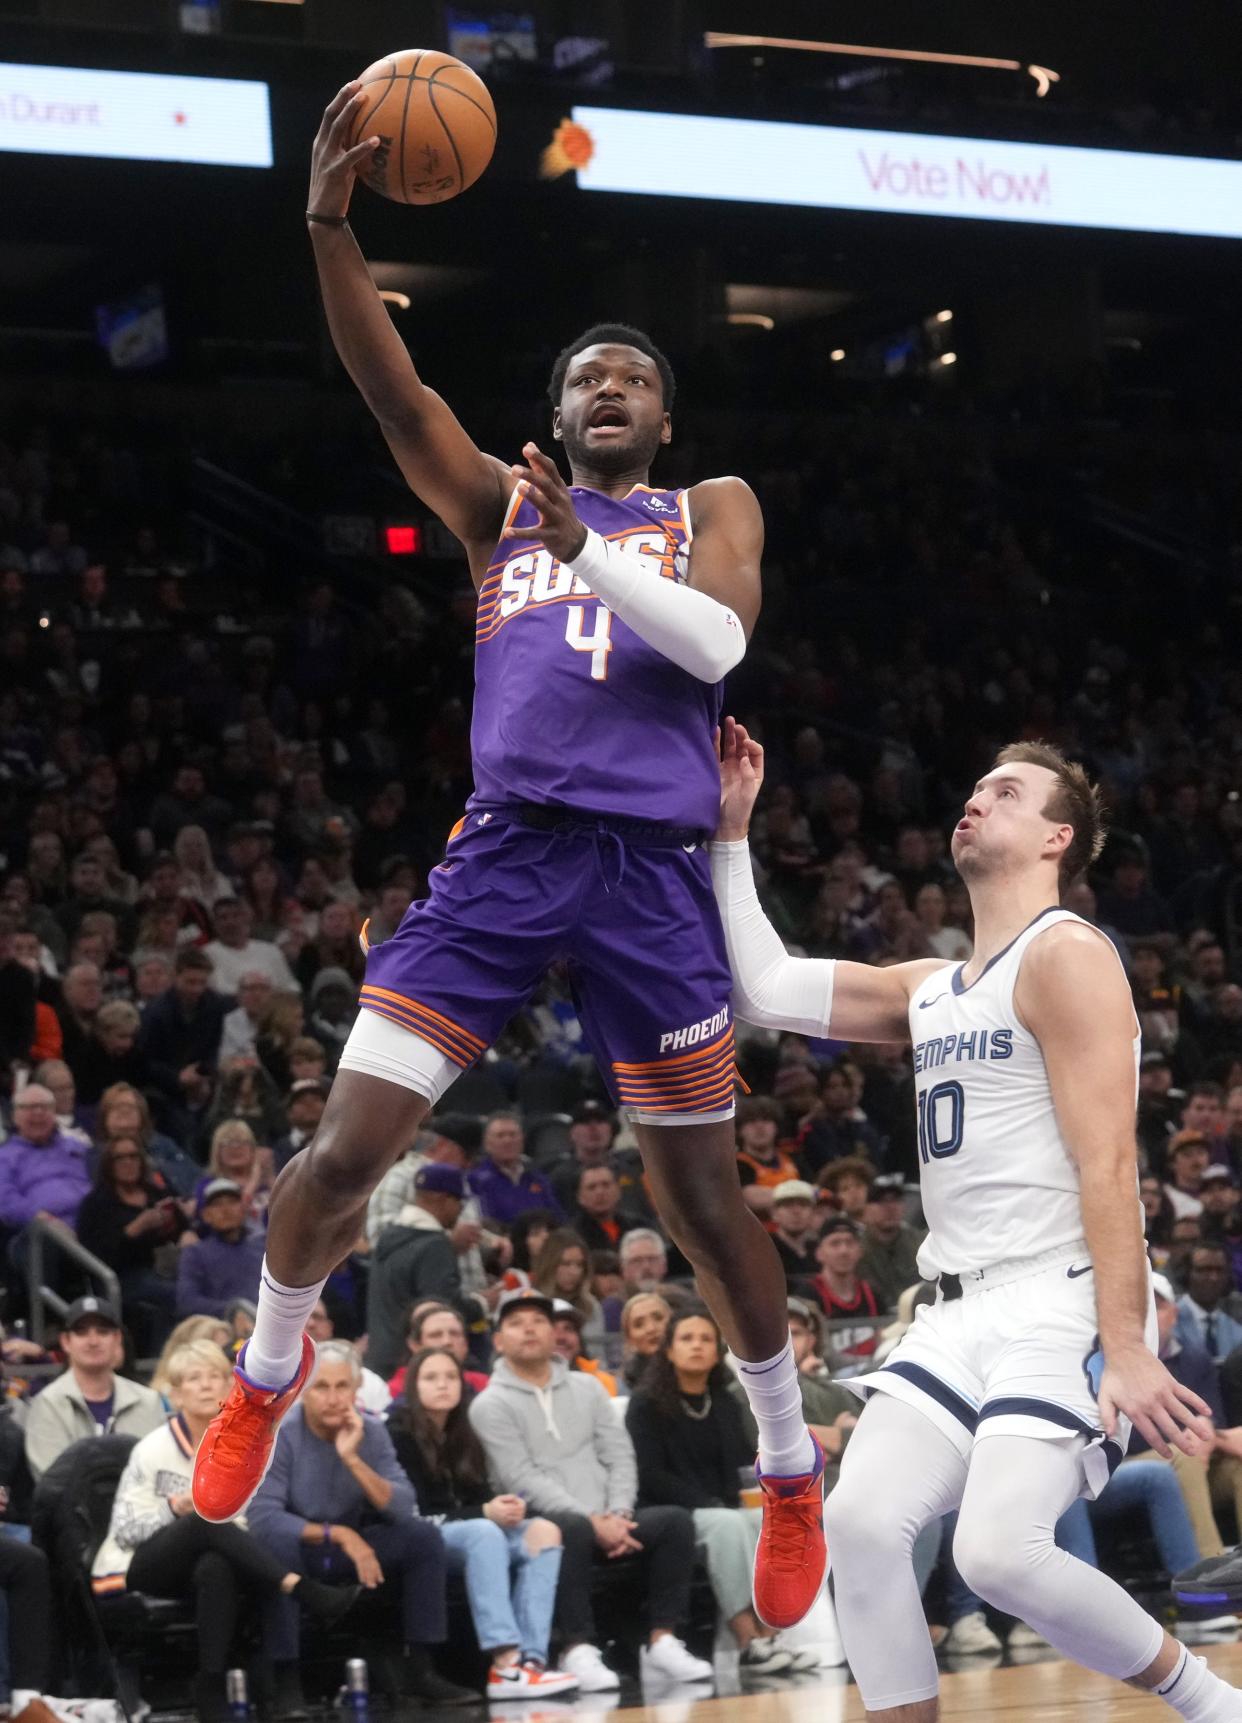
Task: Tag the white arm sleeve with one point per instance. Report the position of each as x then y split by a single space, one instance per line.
770 988
696 631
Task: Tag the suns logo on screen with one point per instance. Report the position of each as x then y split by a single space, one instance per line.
571 148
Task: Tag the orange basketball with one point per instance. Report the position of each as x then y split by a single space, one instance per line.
436 125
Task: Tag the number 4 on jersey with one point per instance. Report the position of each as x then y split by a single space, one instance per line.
598 643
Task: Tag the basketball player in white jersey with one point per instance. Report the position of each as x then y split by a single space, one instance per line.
1015 1392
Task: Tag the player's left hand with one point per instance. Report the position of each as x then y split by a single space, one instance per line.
541 484
1165 1414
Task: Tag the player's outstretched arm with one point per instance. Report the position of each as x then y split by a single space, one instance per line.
1073 997
805 995
466 488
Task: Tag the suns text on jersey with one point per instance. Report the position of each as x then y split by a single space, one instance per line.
536 577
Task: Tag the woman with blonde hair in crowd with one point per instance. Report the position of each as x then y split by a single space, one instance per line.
644 1319
236 1155
562 1269
281 1023
157 1544
213 1329
201 879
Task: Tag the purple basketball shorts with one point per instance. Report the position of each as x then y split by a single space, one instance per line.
634 920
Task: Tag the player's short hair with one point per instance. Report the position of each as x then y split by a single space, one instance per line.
1075 802
615 335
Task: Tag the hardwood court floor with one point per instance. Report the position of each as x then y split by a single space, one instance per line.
1048 1692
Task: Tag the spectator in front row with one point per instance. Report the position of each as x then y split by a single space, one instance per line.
504 1181
510 1562
226 1263
25 1624
413 1260
337 1504
156 1543
551 1438
690 1445
89 1399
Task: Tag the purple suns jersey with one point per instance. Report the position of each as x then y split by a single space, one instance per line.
571 708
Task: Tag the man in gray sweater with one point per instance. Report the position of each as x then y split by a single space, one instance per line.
551 1436
336 1505
90 1399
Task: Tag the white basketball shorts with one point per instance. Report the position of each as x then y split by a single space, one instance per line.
1018 1354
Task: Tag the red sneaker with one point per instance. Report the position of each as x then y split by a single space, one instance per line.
234 1455
792 1556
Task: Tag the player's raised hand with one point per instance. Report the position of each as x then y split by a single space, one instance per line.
334 166
559 527
741 778
1165 1414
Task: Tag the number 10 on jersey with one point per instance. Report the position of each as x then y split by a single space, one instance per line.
598 642
942 1121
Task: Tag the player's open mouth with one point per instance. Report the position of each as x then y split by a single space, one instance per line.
608 421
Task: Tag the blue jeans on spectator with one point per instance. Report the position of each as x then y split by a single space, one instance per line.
1147 1484
512 1593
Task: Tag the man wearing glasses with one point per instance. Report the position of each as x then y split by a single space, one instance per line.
43 1172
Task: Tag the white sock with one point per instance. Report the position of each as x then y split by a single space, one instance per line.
785 1446
1196 1694
274 1350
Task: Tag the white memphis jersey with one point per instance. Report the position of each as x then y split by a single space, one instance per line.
998 1182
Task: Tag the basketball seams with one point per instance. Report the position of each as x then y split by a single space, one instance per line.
425 78
452 141
358 133
405 120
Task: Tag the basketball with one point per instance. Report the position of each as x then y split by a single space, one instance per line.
435 121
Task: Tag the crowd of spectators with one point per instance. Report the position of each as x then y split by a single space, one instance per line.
201 812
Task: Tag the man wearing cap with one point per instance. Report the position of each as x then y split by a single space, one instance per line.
414 1259
552 1437
1188 1160
592 1131
90 1399
226 1262
795 1227
304 1106
844 1296
567 1322
890 1248
449 1139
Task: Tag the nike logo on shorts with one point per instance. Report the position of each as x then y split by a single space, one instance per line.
1077 1273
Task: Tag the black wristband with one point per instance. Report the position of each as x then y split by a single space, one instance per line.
328 220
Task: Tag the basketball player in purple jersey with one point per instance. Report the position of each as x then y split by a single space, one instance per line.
608 614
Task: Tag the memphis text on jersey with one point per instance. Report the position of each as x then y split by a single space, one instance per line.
940 1050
